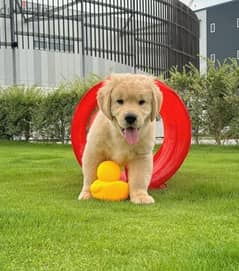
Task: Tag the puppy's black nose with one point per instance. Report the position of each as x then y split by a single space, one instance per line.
130 118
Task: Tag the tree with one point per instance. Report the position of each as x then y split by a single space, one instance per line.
190 86
219 89
233 100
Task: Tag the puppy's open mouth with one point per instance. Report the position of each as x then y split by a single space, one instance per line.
131 135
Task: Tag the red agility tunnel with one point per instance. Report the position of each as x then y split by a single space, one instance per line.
176 124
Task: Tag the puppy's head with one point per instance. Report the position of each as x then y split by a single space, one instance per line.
130 101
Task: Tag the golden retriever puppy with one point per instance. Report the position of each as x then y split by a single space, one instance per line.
124 131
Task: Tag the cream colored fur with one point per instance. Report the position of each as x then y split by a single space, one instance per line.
105 140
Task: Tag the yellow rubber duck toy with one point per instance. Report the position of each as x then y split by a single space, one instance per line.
108 185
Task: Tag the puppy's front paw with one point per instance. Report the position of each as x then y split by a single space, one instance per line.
84 195
142 199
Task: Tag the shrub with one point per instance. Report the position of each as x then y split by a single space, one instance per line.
31 113
3 117
18 105
53 119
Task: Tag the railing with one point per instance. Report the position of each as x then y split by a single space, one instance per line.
148 35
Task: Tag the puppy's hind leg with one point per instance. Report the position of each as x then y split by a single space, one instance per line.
90 163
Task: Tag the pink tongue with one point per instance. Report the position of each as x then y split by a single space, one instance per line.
131 135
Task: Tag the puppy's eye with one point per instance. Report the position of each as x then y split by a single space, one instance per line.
120 101
141 102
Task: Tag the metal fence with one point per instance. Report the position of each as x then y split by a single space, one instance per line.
148 35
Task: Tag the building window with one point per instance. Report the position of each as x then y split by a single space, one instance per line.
213 57
237 22
212 28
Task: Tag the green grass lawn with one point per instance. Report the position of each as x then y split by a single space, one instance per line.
194 224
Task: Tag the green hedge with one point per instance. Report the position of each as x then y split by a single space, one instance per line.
37 114
212 101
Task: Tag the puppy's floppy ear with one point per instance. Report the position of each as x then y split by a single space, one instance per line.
104 99
156 102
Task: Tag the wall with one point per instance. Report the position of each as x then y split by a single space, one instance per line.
34 67
48 69
202 16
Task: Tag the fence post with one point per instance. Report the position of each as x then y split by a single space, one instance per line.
83 40
13 42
